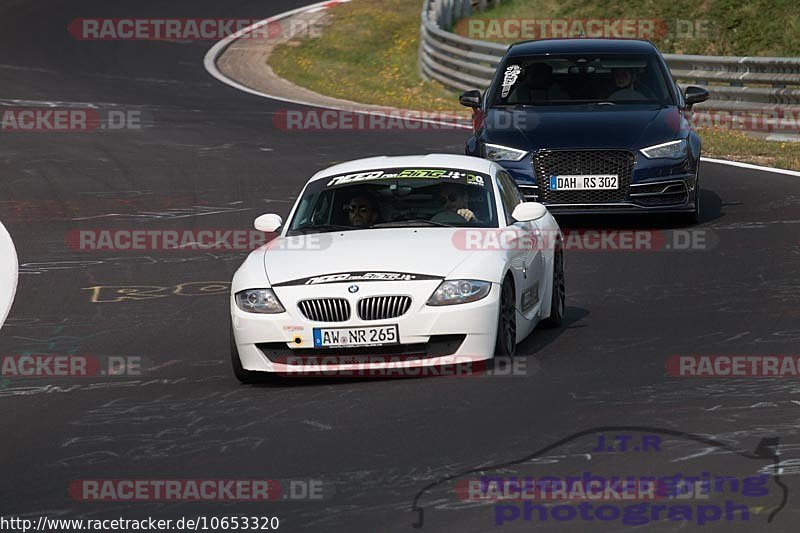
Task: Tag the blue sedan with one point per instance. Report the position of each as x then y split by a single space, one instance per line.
591 125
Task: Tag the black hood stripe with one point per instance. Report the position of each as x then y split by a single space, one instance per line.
358 277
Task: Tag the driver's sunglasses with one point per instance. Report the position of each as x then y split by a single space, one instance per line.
361 209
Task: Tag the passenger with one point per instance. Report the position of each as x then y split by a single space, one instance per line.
455 199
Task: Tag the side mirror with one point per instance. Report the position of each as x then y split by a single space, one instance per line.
471 99
694 95
268 223
529 211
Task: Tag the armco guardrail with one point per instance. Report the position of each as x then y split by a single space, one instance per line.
464 64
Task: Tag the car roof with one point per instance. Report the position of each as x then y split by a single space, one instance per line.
459 162
581 46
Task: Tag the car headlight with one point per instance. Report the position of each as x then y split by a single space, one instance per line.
258 301
672 149
459 291
495 152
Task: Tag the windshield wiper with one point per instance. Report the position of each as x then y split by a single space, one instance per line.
412 222
515 106
321 228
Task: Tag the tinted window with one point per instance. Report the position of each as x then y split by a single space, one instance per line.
574 79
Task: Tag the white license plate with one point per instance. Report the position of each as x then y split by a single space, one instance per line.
605 182
369 336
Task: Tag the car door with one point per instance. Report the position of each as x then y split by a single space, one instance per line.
524 248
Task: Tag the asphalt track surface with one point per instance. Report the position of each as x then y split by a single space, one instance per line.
376 443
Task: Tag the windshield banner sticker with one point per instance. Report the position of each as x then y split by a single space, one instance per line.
469 178
509 79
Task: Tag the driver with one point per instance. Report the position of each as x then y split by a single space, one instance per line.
624 80
362 211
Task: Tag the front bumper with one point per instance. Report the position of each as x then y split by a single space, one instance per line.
672 196
429 336
646 185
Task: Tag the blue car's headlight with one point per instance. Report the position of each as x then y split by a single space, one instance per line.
672 149
459 291
495 152
259 301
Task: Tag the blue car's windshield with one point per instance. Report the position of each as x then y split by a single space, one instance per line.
581 79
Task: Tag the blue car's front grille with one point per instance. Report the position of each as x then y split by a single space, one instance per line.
548 163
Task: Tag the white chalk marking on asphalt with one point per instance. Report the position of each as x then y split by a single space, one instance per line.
210 63
48 103
9 273
317 425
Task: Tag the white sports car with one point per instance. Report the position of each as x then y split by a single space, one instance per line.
426 258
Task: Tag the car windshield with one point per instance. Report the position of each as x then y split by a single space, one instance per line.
399 197
581 79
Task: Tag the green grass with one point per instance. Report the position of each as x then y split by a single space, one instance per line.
735 27
377 64
735 145
373 63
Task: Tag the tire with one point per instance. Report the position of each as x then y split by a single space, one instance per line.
506 342
245 376
558 295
